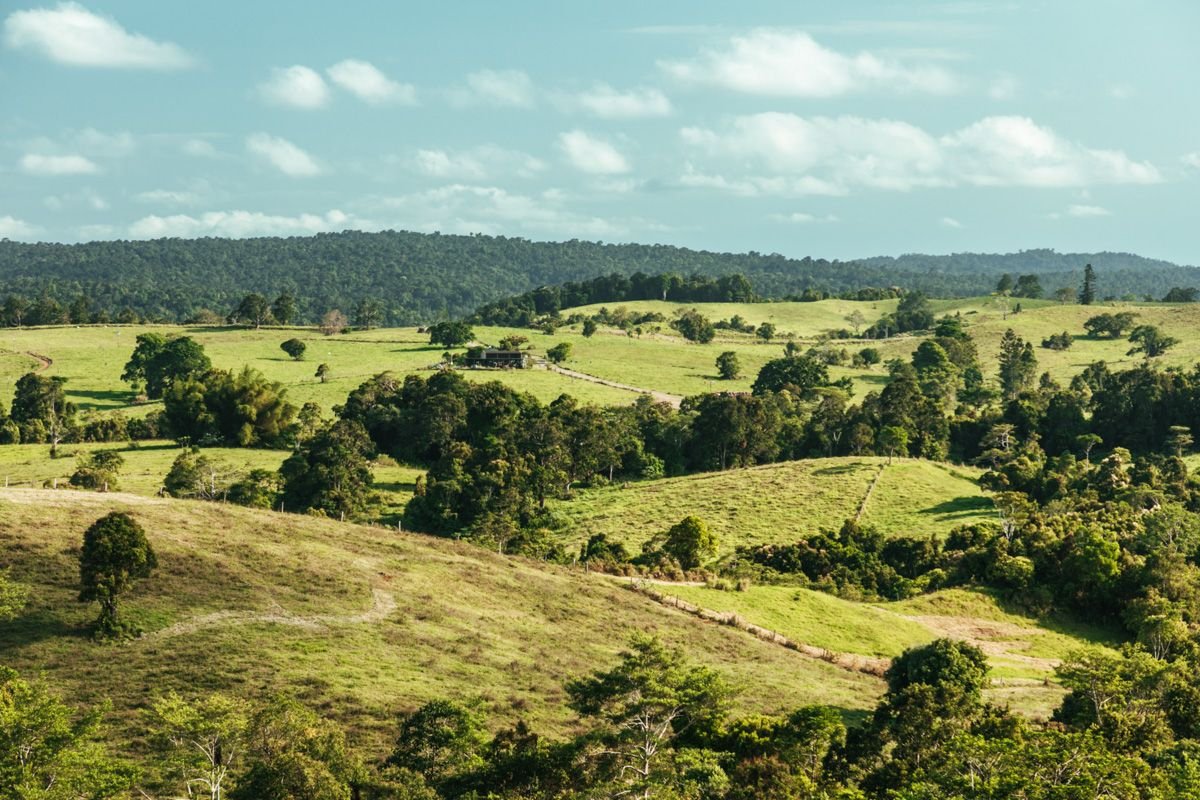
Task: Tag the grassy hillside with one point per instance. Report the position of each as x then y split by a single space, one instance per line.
1022 651
784 502
358 621
92 358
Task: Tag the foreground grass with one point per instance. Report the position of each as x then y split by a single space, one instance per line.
360 622
1022 651
783 502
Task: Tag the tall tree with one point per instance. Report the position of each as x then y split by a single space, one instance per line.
648 701
202 740
159 360
115 554
41 410
253 310
1018 364
1087 292
329 472
284 308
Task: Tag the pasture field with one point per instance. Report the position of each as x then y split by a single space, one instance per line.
1022 651
92 357
360 622
784 502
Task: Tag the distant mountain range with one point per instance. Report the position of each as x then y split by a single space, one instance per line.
419 277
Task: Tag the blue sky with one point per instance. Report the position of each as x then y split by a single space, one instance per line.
826 129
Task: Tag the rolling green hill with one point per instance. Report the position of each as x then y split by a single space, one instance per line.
784 502
361 622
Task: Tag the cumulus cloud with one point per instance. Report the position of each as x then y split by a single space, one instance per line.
839 153
18 229
787 63
53 166
240 224
606 102
759 185
592 155
949 222
1192 159
506 88
296 86
475 163
283 155
70 34
364 80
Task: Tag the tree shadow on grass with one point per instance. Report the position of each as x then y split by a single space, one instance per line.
38 626
841 469
1060 622
101 399
967 506
395 486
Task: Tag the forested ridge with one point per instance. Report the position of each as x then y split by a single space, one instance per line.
419 277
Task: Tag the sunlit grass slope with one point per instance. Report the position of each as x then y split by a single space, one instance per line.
784 502
1022 651
361 622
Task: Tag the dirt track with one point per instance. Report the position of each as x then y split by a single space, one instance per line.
659 397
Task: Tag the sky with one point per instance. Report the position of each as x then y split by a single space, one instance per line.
834 130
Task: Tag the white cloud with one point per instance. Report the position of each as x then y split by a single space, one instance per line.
167 197
297 86
70 34
37 164
283 155
239 224
787 63
801 218
591 155
1015 151
461 208
1087 211
1191 159
949 222
17 229
845 151
839 153
476 163
1121 91
606 102
760 185
508 88
368 83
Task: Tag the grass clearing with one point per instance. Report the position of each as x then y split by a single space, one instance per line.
783 502
1022 651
